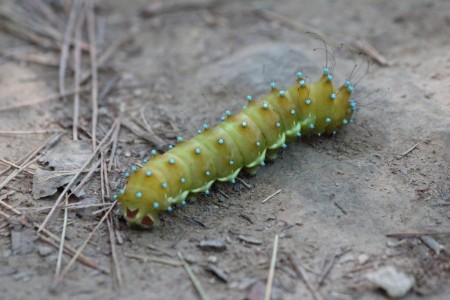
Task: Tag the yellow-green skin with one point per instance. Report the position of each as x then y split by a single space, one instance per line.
243 140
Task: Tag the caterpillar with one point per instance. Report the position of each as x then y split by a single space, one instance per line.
241 141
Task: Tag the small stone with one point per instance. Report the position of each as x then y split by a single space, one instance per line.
212 259
250 239
137 93
216 245
395 283
363 258
127 153
44 250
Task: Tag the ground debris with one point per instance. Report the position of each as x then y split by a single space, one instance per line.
216 245
64 160
22 242
218 272
250 239
395 283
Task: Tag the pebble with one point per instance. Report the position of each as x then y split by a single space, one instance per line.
396 284
212 245
44 250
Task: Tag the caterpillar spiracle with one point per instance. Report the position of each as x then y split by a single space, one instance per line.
242 140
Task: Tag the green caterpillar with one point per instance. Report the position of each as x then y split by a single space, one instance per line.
243 140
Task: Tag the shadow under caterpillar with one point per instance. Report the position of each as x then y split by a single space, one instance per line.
244 140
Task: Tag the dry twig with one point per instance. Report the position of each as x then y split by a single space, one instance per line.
271 196
193 278
74 178
301 273
272 269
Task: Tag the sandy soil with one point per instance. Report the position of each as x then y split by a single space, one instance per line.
339 196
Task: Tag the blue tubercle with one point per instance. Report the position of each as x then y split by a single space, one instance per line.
172 161
311 126
301 83
308 101
114 197
347 83
282 92
170 209
155 204
170 146
208 173
273 85
182 180
284 146
327 120
145 160
326 71
148 173
353 105
345 122
206 126
179 139
164 185
121 192
249 98
153 152
244 124
134 168
265 105
138 195
198 151
292 111
333 96
231 162
126 175
220 141
183 203
350 89
299 74
278 124
228 113
329 77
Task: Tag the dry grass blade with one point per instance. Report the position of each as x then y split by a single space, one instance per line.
39 131
301 273
66 44
77 59
115 140
370 51
272 269
109 221
144 258
74 178
81 248
3 197
271 196
94 68
152 138
63 238
295 25
29 160
69 250
14 165
193 278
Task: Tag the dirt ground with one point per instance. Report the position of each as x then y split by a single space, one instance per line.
341 197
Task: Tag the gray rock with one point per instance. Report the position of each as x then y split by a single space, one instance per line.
395 283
